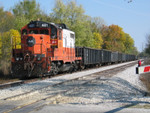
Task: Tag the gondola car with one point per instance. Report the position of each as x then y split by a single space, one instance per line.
114 57
89 56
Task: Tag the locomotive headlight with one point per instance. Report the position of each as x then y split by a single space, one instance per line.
30 41
38 58
17 59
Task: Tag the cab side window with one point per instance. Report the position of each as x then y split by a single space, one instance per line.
53 32
72 35
24 32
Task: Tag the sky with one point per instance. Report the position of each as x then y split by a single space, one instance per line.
133 17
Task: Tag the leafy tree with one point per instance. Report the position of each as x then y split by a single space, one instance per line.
129 43
0 47
134 51
25 11
8 40
6 45
19 22
98 41
113 37
97 24
27 8
6 20
76 20
6 52
15 39
68 13
116 39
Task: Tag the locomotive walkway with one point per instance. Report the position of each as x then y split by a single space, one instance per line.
77 93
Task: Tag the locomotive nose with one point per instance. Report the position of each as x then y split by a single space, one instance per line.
30 41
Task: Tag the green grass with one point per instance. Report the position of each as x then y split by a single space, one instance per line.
145 106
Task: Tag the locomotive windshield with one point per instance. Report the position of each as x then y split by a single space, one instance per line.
24 31
44 31
53 32
39 27
33 31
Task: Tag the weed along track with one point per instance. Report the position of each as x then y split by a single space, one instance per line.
52 93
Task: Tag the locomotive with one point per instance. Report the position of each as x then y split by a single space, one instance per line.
48 48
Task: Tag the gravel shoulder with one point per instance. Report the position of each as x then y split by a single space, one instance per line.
121 93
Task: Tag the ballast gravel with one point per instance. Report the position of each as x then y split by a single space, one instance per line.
122 93
5 93
123 87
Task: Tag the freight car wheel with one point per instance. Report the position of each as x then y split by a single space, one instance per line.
82 67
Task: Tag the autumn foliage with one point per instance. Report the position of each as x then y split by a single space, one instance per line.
90 32
116 39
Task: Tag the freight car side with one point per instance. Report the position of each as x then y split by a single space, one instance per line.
114 57
119 57
106 56
89 56
123 57
92 56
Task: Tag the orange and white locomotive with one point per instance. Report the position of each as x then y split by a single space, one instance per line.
46 48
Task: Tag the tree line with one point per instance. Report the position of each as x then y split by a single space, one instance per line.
90 31
146 49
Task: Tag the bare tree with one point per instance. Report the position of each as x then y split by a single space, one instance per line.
147 49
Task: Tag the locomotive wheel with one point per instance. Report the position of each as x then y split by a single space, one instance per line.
54 69
75 67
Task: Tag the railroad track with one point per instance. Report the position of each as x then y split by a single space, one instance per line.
106 73
20 82
47 93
